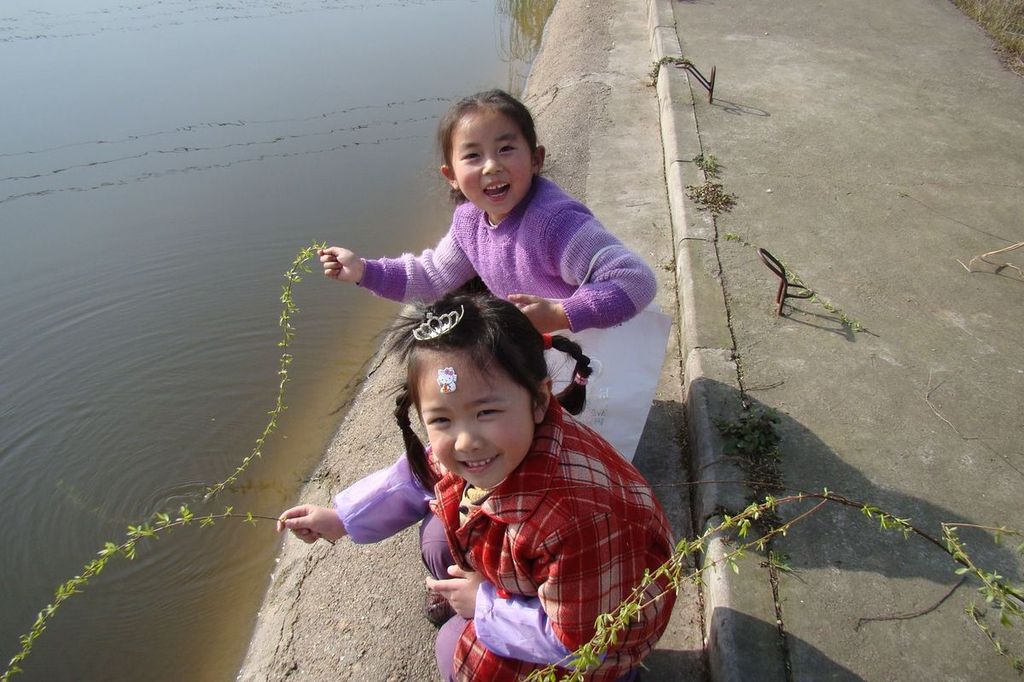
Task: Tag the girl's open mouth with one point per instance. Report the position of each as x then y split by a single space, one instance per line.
496 191
480 464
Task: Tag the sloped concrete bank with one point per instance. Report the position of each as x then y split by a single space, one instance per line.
355 611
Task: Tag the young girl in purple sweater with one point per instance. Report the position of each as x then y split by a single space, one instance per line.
528 240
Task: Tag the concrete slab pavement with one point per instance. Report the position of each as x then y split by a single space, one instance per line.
870 145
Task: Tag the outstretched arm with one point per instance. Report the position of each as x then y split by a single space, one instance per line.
369 510
309 523
341 264
383 503
426 277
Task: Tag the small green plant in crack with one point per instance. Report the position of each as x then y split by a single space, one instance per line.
848 322
777 561
707 163
656 67
733 237
753 439
752 435
711 197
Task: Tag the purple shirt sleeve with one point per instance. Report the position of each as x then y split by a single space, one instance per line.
383 503
516 628
621 284
426 277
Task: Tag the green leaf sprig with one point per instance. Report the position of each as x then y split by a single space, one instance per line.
998 594
163 521
292 276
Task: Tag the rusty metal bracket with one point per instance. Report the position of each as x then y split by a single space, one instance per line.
709 84
785 285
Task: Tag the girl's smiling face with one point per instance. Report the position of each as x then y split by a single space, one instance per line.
480 424
491 162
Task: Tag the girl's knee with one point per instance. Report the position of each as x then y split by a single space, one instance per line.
437 557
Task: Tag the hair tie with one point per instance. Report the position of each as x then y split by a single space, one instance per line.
547 341
579 379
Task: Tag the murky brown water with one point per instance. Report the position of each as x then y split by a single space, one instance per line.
161 162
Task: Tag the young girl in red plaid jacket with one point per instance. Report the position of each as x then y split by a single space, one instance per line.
546 527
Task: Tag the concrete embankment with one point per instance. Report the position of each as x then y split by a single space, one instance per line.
870 146
355 612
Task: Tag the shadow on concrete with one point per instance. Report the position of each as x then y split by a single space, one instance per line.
661 458
737 109
837 538
830 323
842 537
746 628
670 664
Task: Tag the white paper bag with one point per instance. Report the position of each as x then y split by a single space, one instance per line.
627 362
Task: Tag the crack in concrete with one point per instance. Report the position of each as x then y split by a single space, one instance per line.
287 633
746 403
773 579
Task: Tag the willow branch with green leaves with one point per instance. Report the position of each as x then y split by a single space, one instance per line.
608 627
162 521
994 589
292 276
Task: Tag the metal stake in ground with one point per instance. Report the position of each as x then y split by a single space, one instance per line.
779 269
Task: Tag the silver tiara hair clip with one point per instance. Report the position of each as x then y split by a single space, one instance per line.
434 326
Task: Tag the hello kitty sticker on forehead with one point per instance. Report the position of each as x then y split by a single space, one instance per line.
446 379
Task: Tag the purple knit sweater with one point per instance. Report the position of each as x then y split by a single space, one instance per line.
543 247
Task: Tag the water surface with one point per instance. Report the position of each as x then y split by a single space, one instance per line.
161 162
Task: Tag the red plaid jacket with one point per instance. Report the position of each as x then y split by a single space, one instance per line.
575 525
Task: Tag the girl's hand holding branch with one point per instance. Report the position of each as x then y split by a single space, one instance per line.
341 264
460 590
546 314
309 523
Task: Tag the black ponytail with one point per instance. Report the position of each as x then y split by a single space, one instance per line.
414 451
574 396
